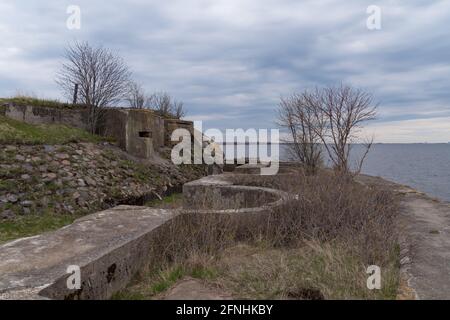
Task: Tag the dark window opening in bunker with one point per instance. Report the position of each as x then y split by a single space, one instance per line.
145 134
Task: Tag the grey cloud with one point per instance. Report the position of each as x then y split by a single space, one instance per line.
236 58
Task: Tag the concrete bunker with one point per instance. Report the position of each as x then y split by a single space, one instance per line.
140 132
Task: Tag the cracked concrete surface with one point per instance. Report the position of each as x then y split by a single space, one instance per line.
36 267
426 226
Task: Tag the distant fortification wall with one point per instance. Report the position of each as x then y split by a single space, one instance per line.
46 115
140 132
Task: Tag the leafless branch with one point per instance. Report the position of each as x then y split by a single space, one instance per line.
102 77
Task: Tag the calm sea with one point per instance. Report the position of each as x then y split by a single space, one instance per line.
425 167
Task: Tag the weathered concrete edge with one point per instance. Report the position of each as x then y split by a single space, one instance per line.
224 181
128 254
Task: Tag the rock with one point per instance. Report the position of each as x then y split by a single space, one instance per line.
12 198
11 148
51 175
43 168
36 159
26 211
62 156
75 195
28 167
79 152
68 208
20 157
48 148
5 166
66 162
81 183
7 214
90 181
27 203
72 184
25 177
44 202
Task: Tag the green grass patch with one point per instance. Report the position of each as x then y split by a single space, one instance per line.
166 279
331 269
174 198
17 132
30 101
27 226
160 280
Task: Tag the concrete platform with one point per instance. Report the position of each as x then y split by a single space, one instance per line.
108 246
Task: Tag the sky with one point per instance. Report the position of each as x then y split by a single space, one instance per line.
230 61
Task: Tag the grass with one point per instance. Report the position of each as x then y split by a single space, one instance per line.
31 225
171 201
326 271
17 132
32 101
158 281
311 271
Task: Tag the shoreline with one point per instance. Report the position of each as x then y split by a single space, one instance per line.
424 241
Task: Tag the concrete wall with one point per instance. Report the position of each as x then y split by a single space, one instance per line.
46 115
108 246
172 124
139 132
220 194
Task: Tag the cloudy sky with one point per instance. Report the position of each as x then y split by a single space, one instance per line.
231 60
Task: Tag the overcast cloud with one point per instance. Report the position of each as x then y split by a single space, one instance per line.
230 61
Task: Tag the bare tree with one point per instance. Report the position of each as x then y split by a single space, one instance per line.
344 109
330 117
102 77
178 109
163 104
135 96
297 114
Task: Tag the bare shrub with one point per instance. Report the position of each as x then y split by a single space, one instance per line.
344 109
328 208
178 109
297 114
330 117
166 106
135 96
102 78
